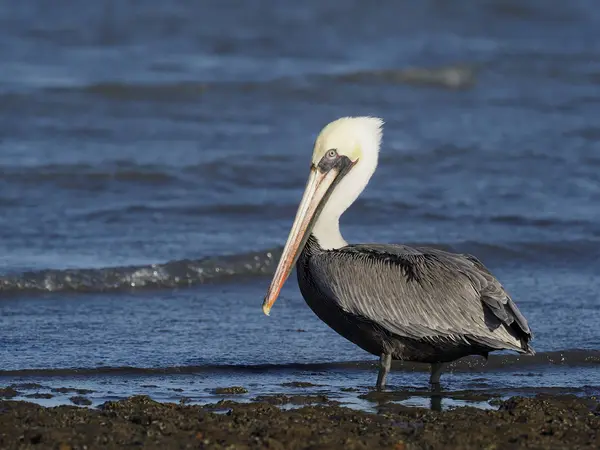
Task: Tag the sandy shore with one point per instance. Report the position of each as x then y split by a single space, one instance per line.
544 422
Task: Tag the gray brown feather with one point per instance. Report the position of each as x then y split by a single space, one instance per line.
421 294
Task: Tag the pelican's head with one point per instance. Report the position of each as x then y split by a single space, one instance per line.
345 147
350 137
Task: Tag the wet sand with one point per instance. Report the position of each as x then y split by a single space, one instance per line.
543 422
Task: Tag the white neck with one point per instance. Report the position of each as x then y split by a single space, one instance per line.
327 226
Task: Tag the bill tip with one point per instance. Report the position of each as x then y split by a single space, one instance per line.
266 310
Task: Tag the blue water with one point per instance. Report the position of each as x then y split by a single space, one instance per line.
152 156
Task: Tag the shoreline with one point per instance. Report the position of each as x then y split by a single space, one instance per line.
544 421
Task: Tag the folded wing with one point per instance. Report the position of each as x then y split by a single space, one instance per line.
423 293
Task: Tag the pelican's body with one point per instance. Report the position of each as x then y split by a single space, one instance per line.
394 301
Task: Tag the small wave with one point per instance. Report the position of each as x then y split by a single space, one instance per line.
566 358
243 211
130 91
169 275
171 92
86 174
539 222
456 76
184 273
459 76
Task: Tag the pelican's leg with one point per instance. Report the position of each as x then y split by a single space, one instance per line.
385 364
434 380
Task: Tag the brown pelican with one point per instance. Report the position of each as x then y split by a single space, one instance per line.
394 301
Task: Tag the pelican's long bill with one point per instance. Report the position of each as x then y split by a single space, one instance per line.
317 188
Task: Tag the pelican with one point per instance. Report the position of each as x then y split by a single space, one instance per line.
394 301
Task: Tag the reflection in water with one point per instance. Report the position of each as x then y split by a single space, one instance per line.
441 402
436 402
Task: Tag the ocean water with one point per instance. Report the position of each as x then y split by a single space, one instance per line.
152 156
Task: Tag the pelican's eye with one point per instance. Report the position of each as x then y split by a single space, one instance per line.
330 159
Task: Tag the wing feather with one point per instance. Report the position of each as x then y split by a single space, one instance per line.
423 294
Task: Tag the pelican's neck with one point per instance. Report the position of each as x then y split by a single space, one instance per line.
327 232
327 226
